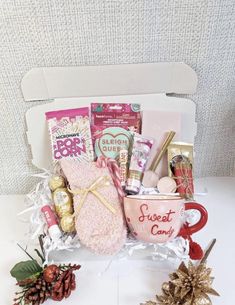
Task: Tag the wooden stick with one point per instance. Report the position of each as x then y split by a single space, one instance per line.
208 251
25 251
40 239
158 157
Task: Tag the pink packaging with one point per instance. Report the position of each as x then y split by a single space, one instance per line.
111 127
70 134
50 218
140 153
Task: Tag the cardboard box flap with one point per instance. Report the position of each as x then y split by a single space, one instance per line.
74 87
127 79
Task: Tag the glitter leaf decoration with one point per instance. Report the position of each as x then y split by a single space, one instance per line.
193 284
188 285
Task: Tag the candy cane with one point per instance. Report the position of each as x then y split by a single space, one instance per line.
114 172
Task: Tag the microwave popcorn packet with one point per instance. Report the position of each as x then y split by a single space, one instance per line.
70 134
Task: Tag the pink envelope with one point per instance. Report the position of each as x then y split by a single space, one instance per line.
157 124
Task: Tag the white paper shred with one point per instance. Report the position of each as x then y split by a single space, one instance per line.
41 194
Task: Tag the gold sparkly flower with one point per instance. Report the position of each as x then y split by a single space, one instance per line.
193 283
168 297
188 285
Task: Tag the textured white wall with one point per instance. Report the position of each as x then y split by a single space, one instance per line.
91 32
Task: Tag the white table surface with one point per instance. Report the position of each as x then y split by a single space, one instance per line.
130 282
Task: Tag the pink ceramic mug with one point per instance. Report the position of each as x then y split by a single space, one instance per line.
158 219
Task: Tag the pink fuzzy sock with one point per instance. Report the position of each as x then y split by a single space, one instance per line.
97 227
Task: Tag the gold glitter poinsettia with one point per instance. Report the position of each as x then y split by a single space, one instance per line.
188 285
192 284
168 297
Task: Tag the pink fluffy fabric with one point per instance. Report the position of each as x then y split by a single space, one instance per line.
97 227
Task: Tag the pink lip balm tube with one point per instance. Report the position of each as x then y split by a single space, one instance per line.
50 218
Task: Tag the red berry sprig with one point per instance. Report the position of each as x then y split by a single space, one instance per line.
55 282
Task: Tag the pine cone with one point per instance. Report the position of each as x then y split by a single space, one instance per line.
64 285
38 293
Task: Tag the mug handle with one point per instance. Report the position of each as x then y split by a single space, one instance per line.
200 224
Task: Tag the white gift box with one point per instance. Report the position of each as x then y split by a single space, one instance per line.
111 280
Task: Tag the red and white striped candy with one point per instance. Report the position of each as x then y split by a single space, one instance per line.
114 172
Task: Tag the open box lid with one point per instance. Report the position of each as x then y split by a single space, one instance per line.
73 87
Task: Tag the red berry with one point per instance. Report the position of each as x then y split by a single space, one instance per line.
50 273
195 251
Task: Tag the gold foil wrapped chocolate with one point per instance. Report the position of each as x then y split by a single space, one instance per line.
63 202
56 182
67 223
